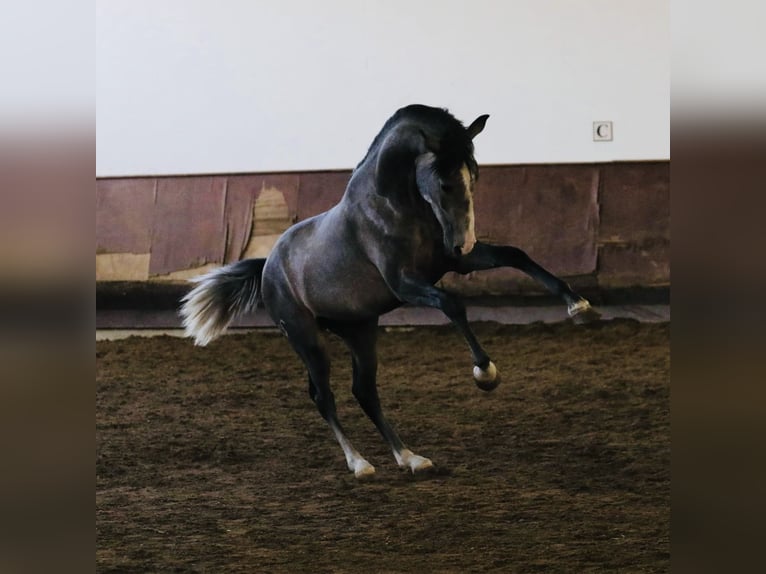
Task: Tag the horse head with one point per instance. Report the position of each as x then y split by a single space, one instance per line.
445 179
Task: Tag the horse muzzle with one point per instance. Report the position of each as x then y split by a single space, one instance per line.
457 244
466 246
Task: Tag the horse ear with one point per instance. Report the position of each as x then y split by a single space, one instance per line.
477 126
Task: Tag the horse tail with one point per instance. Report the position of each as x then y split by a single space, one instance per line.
220 296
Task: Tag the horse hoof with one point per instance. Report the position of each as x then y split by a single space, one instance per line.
363 469
582 312
420 463
486 380
415 462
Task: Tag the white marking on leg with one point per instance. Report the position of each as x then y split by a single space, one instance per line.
408 459
355 461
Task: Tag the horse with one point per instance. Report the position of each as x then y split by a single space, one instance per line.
406 218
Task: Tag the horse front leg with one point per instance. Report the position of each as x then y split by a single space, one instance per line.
417 292
484 256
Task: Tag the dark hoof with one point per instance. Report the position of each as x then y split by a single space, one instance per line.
588 316
487 386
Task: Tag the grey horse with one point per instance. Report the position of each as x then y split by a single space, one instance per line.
406 218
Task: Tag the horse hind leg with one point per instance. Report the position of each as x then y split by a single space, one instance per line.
361 340
325 402
303 335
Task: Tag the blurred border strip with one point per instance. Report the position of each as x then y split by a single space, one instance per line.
718 201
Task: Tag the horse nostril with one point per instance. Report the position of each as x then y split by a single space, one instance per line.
458 250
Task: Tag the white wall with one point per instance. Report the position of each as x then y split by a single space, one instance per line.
192 86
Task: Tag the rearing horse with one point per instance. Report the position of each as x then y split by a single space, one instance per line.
405 219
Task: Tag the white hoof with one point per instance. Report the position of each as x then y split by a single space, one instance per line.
418 463
487 376
363 469
578 307
486 380
415 462
582 312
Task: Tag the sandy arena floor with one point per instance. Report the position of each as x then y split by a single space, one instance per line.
215 460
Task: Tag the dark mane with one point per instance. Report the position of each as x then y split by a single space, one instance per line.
445 134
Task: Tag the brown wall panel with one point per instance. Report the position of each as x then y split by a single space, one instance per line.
319 191
551 212
242 191
605 224
188 228
625 265
124 215
635 202
634 234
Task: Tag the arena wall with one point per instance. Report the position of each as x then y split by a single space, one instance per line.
603 226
